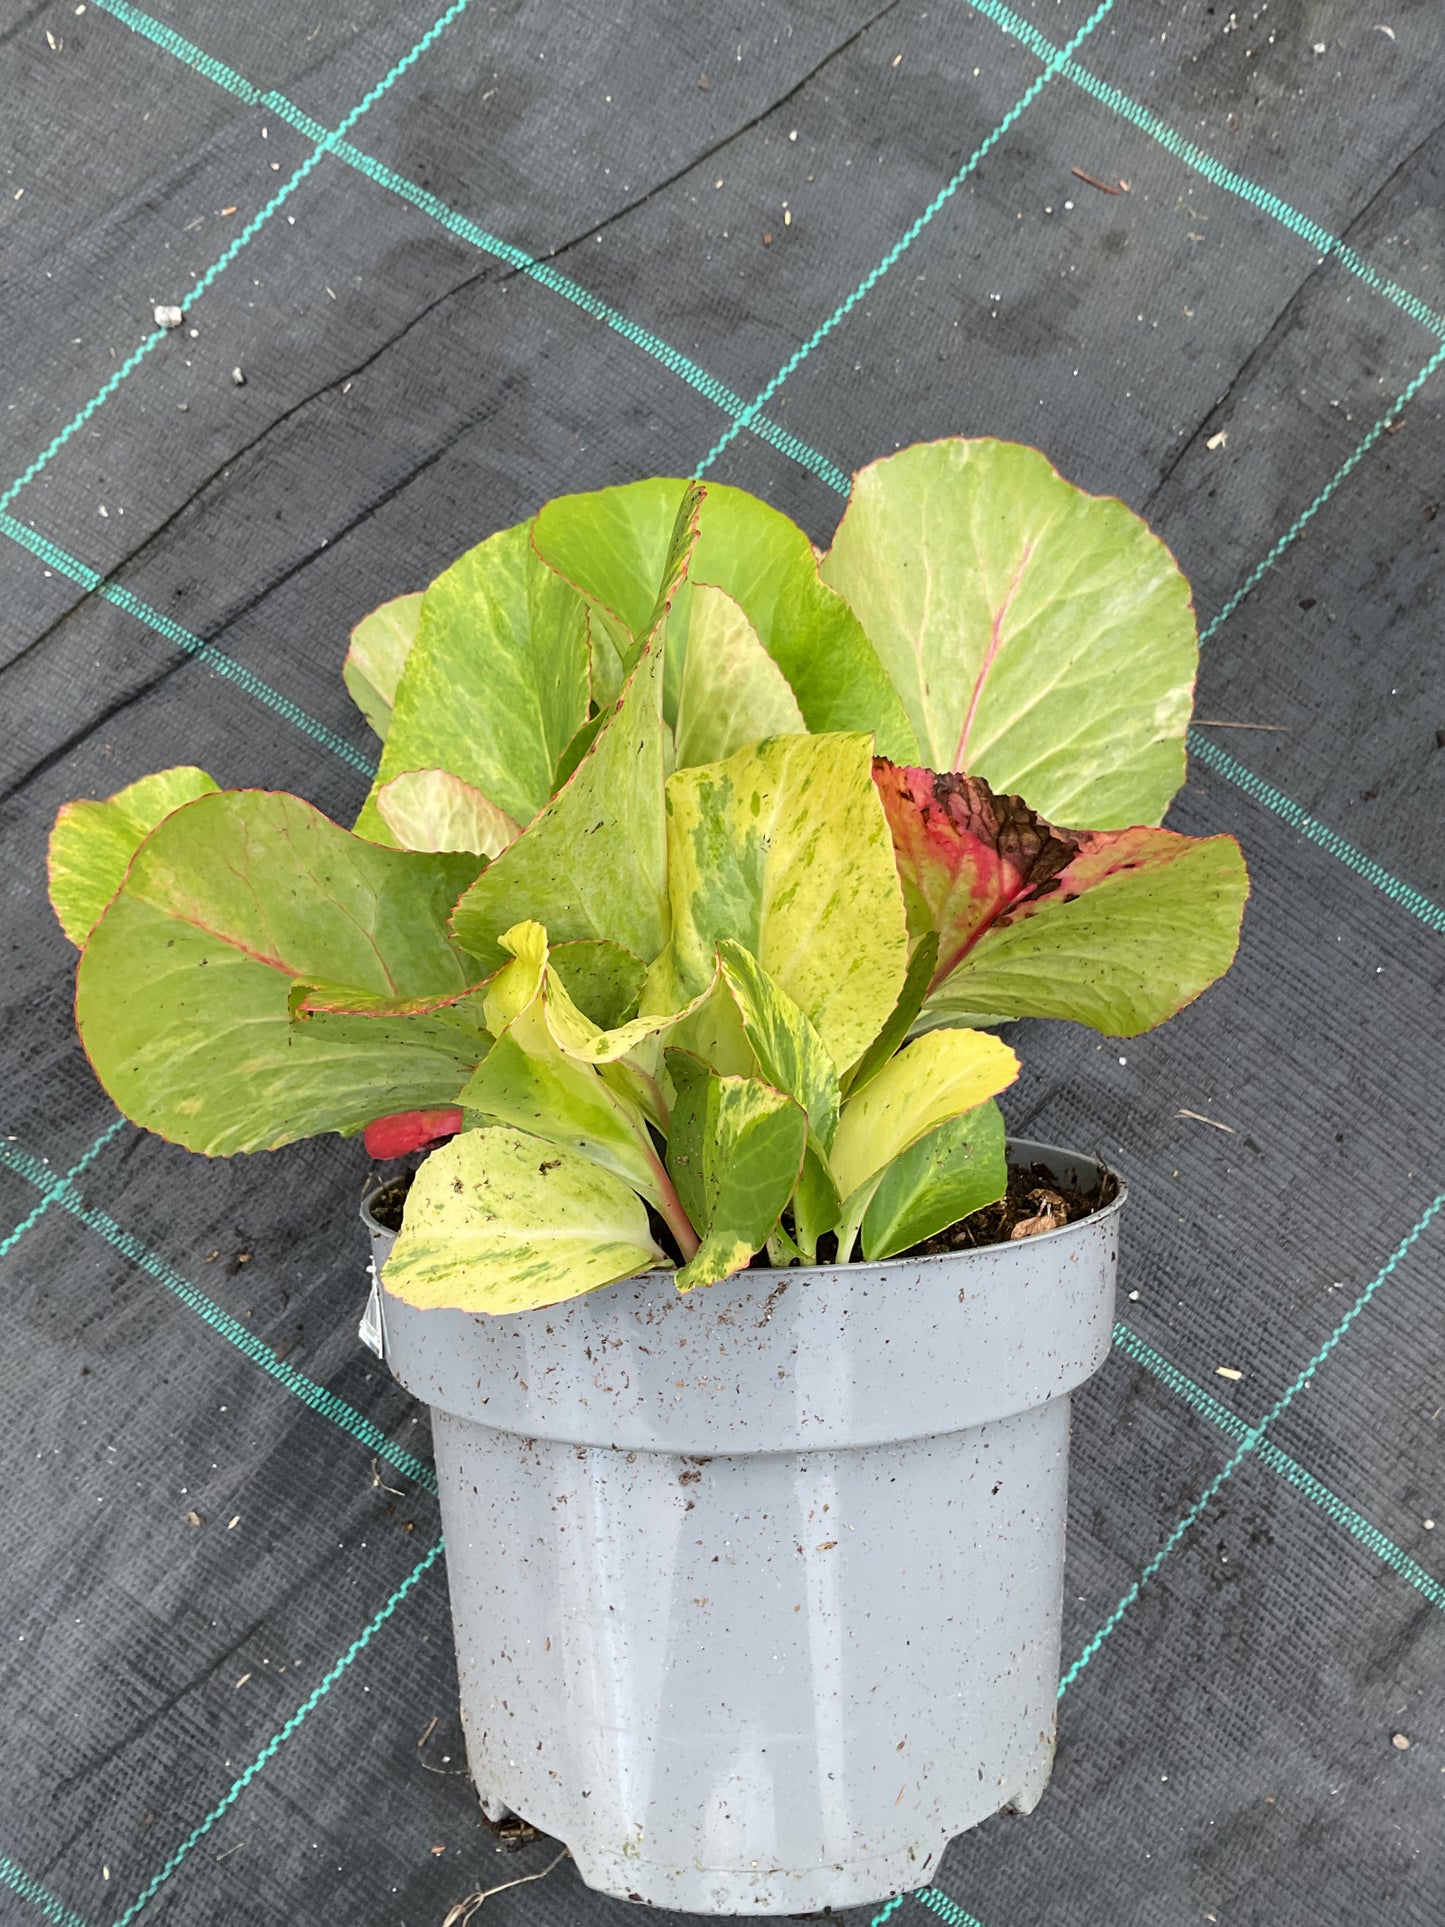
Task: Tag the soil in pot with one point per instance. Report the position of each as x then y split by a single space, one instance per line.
1036 1201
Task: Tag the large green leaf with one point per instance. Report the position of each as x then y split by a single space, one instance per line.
496 684
958 1167
498 1221
183 991
931 1080
790 1053
430 809
92 844
1039 637
380 645
784 848
734 1153
611 544
1133 928
731 692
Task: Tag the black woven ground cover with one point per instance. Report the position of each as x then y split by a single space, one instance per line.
463 262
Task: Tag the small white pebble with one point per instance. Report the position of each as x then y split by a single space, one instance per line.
1399 1742
1429 1525
169 317
238 378
1133 1297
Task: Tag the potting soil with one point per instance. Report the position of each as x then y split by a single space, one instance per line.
433 267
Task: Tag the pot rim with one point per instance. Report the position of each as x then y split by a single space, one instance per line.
973 1253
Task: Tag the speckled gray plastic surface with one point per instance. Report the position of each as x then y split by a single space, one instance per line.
757 1590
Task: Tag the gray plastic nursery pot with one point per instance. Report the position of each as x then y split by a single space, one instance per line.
757 1589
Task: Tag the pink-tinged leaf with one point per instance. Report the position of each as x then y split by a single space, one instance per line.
407 1131
1114 928
965 856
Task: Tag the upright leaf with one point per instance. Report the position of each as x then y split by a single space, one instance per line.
498 1222
611 544
1039 637
1135 926
430 809
784 848
956 1168
92 844
496 684
790 1053
902 1017
226 905
931 1080
527 1082
593 863
734 1153
730 692
380 645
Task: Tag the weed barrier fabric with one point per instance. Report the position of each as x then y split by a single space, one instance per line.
555 252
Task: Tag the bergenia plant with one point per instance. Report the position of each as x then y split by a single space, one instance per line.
697 873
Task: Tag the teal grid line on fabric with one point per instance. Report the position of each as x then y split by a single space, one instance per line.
1250 1443
14 1876
1265 794
204 652
947 1909
9 1242
906 240
476 236
311 1394
1346 468
889 1911
1327 245
1288 1469
279 1738
215 70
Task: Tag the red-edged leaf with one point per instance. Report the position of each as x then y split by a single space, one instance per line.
1113 928
965 856
406 1131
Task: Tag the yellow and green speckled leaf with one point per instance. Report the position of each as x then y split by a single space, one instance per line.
784 848
734 1153
931 1080
92 844
1039 637
790 1053
498 1221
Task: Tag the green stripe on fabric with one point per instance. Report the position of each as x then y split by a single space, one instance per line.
19 1882
278 1739
216 660
8 1243
311 1394
1283 1465
1404 894
910 235
889 1911
1307 515
949 1910
1326 244
1250 1443
224 76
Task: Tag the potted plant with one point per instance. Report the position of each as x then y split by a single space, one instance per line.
695 882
